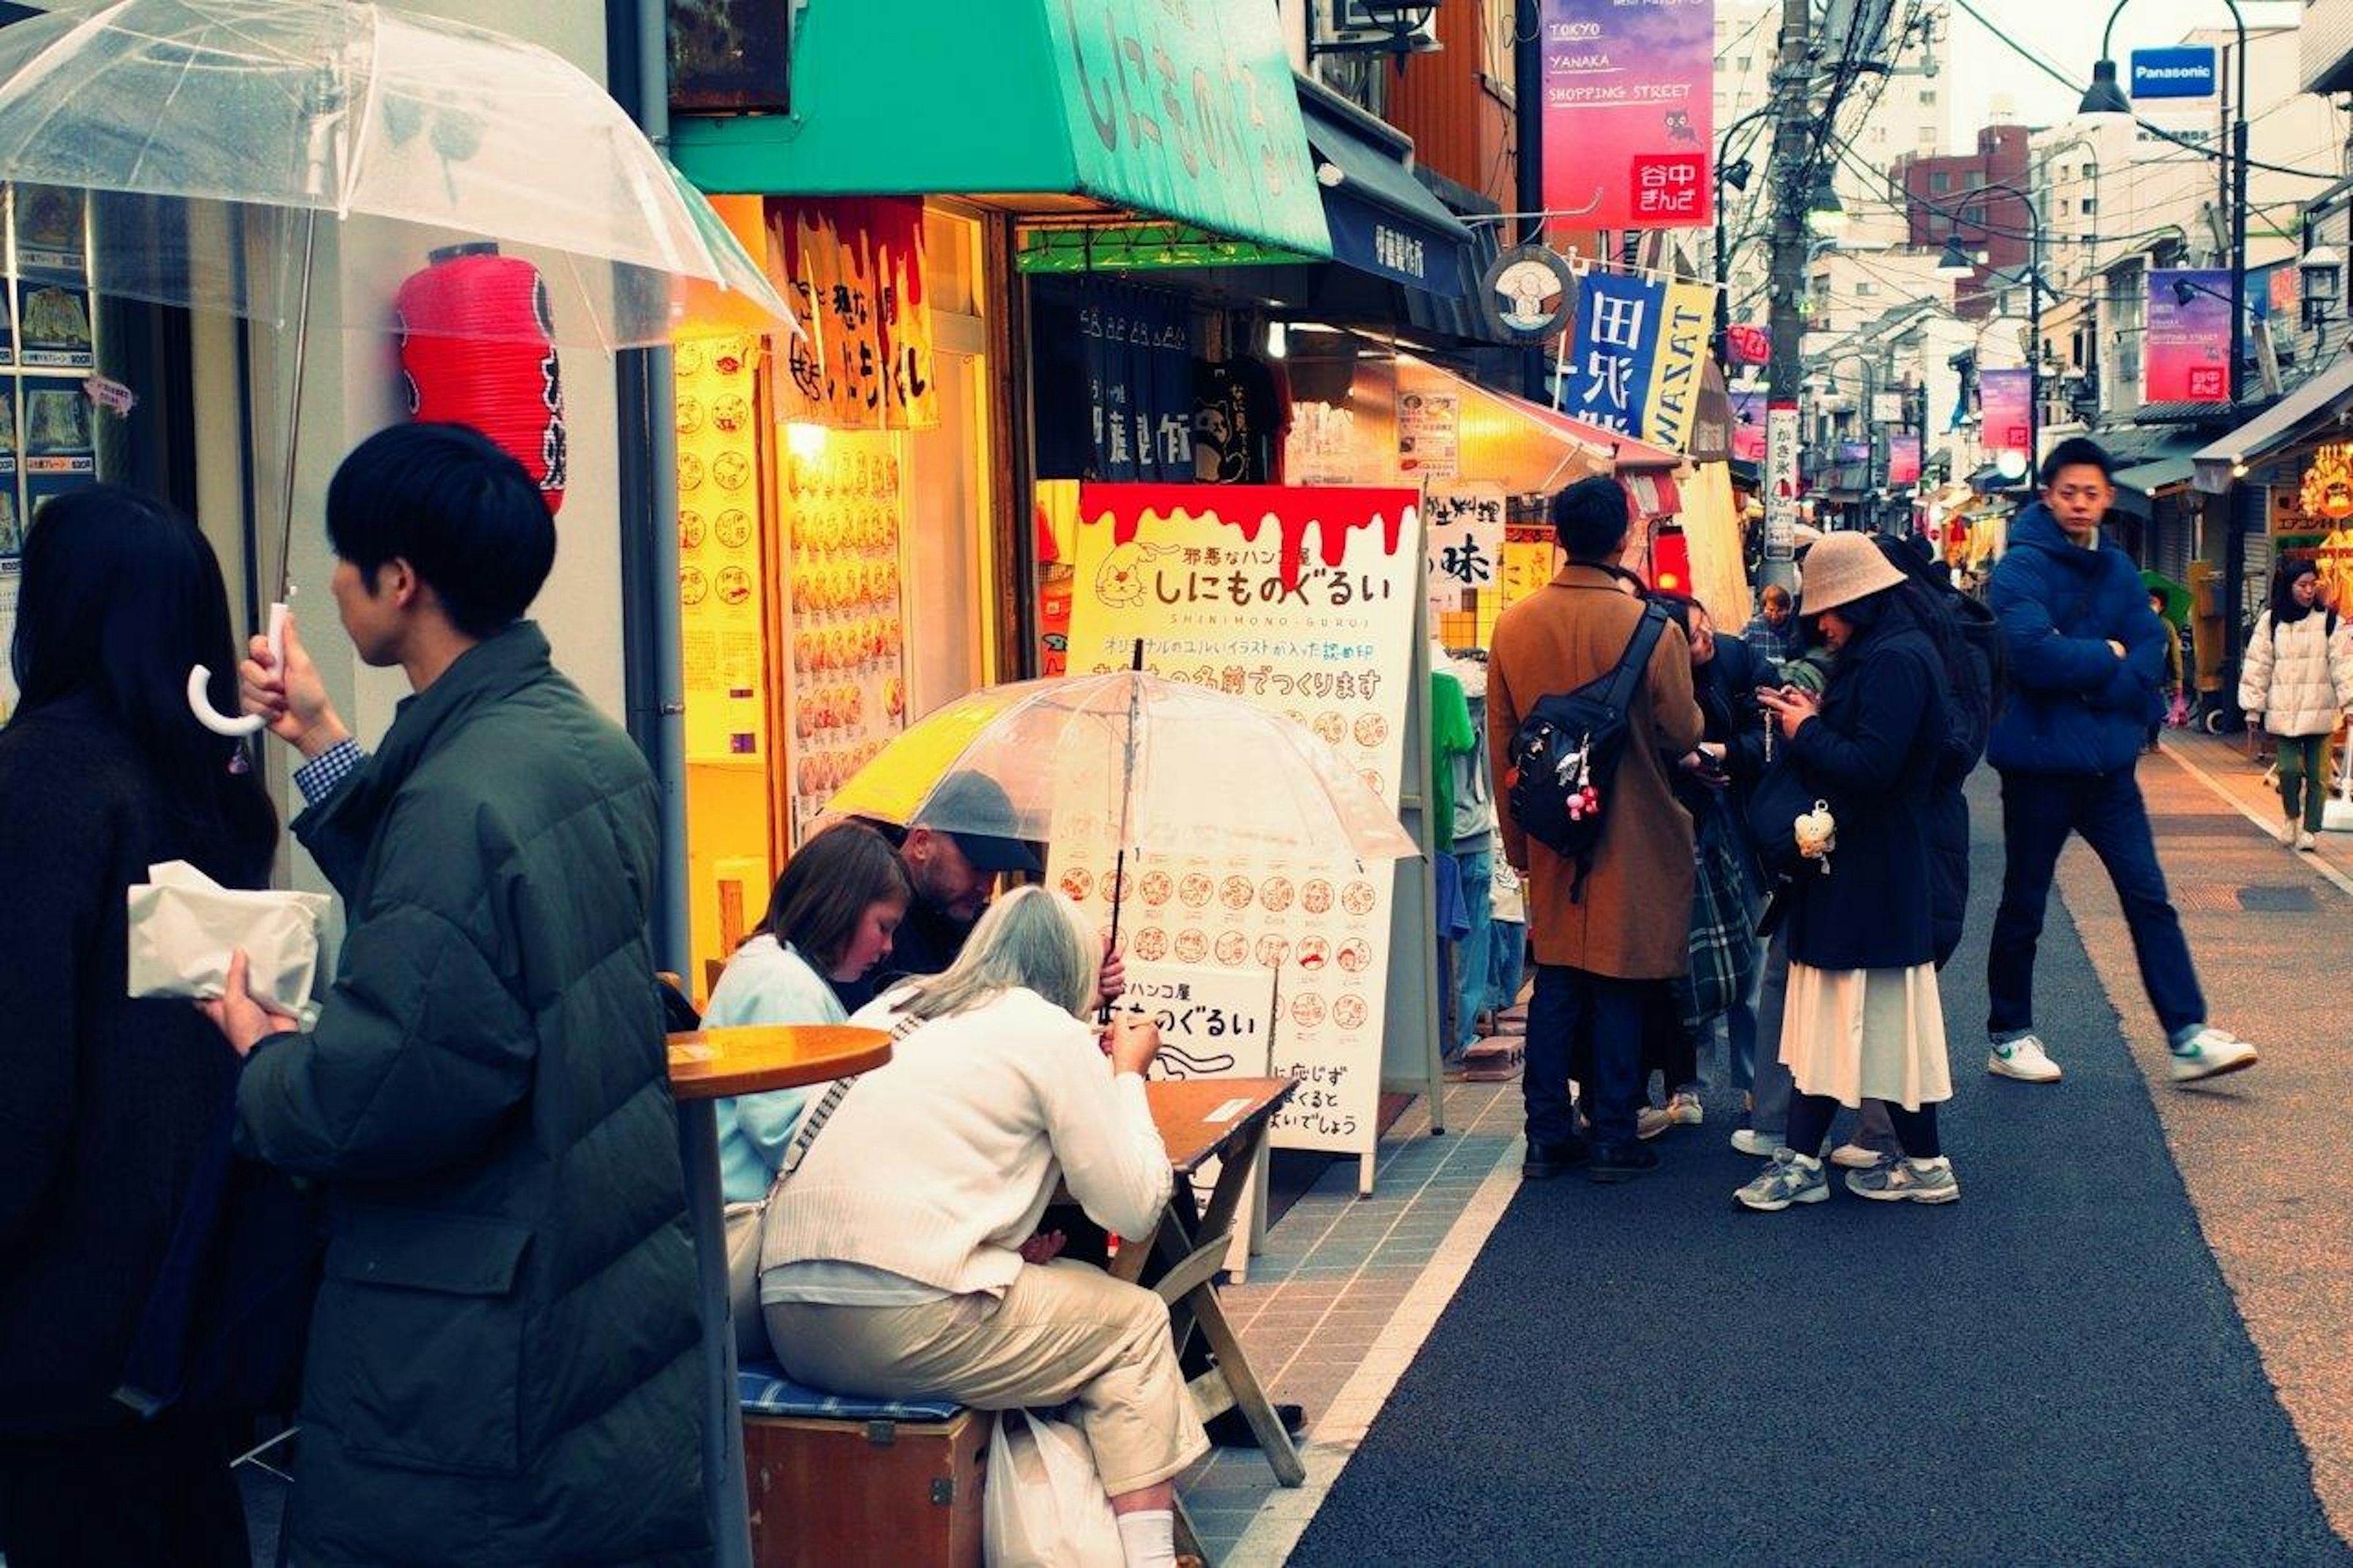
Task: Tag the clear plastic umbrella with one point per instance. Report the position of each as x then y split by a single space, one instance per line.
220 144
1131 760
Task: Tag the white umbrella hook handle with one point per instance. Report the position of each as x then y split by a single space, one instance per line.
200 702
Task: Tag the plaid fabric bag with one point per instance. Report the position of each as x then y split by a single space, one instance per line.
1722 948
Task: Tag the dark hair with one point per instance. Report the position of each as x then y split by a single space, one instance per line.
1680 608
448 500
2076 452
1935 598
1770 591
826 889
1590 517
2286 611
120 596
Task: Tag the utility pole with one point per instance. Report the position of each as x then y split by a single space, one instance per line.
1528 95
1792 76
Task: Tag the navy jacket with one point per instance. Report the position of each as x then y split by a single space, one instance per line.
1873 755
2073 708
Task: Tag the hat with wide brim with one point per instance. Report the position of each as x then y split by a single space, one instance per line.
1842 568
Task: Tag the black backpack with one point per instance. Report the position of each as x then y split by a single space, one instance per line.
1565 755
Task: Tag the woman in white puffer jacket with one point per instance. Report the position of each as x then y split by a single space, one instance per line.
2294 680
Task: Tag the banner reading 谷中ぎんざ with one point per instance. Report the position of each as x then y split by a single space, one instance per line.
1301 601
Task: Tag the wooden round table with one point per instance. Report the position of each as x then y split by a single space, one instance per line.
706 1066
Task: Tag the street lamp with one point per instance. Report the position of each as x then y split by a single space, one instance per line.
2105 97
1955 256
1824 212
1956 262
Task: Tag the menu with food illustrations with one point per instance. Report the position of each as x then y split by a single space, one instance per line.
1303 602
844 510
722 638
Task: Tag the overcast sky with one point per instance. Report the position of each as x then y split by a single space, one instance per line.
2066 33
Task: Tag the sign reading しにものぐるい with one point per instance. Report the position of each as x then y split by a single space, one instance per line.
1302 602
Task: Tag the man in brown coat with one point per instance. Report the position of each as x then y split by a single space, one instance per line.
1597 956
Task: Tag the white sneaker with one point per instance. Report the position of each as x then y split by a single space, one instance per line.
2287 835
2209 1053
1853 1157
1748 1140
2023 1059
2306 842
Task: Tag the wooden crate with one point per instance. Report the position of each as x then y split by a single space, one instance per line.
831 1492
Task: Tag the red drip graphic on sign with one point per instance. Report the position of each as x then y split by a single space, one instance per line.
1331 513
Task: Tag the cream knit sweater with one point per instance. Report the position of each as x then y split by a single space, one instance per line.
937 1167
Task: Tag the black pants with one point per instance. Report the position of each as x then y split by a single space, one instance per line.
152 1495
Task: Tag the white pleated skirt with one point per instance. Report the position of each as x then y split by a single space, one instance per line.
1867 1034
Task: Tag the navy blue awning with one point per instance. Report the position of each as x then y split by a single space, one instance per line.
1383 220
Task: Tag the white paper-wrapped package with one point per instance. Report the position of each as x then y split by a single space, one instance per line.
185 926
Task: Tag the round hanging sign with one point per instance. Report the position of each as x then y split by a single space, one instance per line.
1529 292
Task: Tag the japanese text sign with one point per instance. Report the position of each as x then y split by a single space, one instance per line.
2187 353
854 266
1609 369
2005 402
1628 112
1465 553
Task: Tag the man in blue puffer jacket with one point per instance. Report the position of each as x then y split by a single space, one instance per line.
2085 655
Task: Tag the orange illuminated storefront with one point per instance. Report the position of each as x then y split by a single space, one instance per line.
836 527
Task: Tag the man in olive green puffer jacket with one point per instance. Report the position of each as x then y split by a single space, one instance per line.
503 1365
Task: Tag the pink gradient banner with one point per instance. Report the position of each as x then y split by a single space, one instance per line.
1628 112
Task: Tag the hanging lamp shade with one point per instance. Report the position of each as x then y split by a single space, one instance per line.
476 348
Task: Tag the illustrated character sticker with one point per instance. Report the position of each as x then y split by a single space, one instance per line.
1371 730
691 528
1307 1009
1152 944
1157 888
1120 579
1350 1011
1077 883
1232 948
1315 896
1236 893
1275 894
1331 728
1192 946
1358 898
1355 956
1313 952
1272 952
1679 127
1195 890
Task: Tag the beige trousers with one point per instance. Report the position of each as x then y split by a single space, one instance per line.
1065 1333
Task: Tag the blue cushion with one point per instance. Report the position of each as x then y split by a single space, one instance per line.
766 1391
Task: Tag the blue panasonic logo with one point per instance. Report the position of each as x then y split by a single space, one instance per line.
2185 71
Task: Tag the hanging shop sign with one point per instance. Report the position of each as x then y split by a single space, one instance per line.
1628 112
2005 400
1464 555
1749 424
1679 361
2186 357
1115 384
1748 344
1304 602
1529 293
1903 459
1430 435
854 266
1781 482
1640 356
2326 493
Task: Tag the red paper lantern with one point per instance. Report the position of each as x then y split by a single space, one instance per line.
1671 561
477 347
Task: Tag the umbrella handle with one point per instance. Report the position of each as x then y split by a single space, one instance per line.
200 702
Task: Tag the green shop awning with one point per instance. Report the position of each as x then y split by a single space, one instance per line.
1059 107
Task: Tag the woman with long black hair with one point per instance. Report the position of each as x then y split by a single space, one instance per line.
1864 1020
109 1102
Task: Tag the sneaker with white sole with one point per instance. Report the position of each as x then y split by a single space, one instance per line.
1791 1178
1855 1157
1650 1120
2307 843
1892 1180
2024 1060
1685 1109
1748 1140
2209 1053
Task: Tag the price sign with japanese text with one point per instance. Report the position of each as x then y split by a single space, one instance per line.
1465 555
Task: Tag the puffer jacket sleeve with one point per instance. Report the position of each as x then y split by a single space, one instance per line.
2133 679
419 1051
2255 666
2340 664
2039 657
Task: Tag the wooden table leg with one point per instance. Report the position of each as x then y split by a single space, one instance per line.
724 1483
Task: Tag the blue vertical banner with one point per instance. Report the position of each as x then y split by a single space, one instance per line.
1607 378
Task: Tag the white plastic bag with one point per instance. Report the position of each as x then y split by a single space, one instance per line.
183 926
1044 1506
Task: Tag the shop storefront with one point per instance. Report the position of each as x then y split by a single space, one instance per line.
879 545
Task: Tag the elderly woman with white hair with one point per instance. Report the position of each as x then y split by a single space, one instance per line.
900 1257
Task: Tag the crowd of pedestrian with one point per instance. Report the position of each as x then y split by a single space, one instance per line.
1783 843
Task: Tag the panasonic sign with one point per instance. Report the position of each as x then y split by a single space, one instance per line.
2187 71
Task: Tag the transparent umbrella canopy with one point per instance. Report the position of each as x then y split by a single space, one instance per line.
208 144
1128 760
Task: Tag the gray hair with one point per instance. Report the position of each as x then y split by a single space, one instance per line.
1033 939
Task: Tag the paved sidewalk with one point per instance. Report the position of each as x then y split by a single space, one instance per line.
2261 1151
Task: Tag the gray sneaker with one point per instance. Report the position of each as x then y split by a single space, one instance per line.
1791 1178
1895 1181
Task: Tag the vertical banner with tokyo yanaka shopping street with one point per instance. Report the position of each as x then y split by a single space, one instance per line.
1302 601
2005 407
1628 112
2187 356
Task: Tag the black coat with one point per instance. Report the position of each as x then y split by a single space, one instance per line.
1873 754
110 1102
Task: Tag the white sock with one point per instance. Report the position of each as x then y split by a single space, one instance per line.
1149 1538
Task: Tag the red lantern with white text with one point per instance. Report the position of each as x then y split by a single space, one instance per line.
477 347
